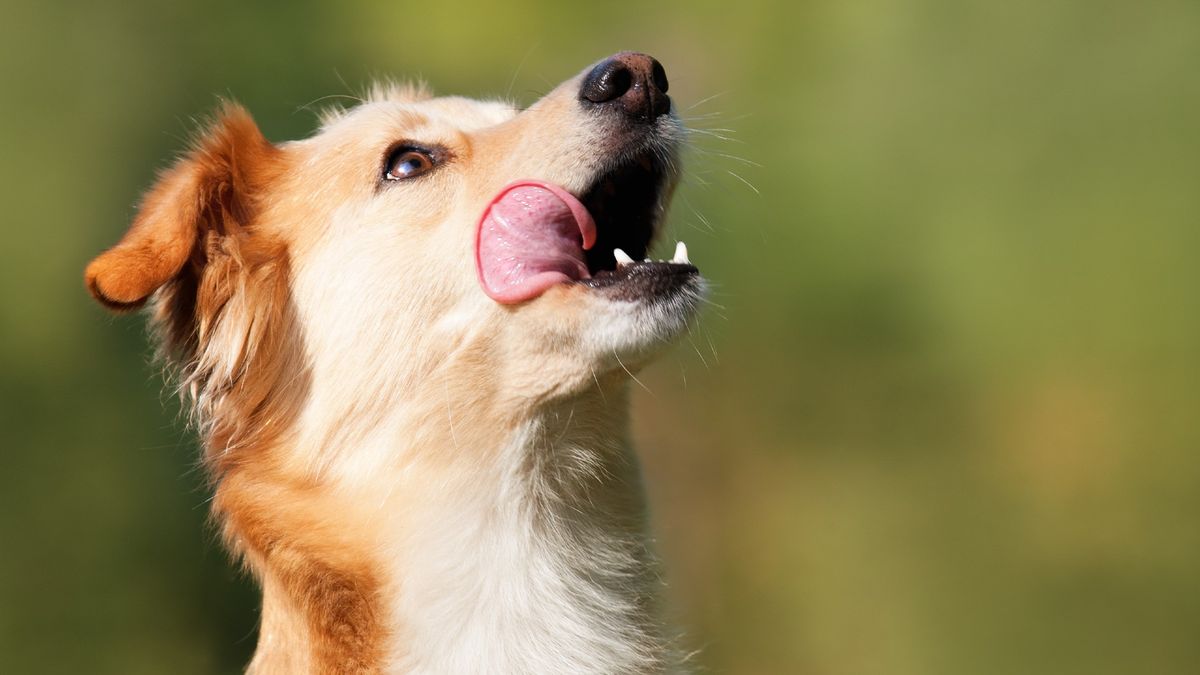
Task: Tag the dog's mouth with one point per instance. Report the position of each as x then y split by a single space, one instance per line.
625 203
534 235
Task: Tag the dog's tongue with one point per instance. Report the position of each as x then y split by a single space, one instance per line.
531 237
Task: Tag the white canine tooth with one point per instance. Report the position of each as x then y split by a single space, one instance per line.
622 257
647 260
681 254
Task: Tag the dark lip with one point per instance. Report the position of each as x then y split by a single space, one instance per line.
626 204
640 280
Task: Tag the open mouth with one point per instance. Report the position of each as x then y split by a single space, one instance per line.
625 205
534 235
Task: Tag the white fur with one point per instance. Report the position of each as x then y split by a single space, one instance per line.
487 444
540 585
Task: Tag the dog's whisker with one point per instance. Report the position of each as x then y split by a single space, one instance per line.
706 99
702 118
711 346
599 388
696 348
566 426
700 216
319 99
517 71
715 305
713 134
725 155
710 117
630 373
743 180
346 85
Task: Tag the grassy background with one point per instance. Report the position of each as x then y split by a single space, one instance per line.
944 421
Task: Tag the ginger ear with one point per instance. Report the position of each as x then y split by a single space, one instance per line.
156 246
214 188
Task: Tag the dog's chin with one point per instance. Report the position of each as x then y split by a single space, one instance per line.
633 331
620 322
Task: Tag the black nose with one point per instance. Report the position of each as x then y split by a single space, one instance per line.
634 83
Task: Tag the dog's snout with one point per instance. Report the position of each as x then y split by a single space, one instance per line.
633 83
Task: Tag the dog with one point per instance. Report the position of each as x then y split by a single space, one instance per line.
407 344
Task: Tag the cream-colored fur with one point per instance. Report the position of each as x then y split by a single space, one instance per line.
492 441
472 458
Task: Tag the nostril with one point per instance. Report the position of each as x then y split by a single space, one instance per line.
607 81
659 76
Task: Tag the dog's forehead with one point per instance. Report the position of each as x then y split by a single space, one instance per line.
443 113
466 113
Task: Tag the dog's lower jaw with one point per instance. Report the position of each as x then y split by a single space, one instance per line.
527 556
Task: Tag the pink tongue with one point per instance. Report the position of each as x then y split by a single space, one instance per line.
531 237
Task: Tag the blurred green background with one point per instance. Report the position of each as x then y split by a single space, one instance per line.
945 418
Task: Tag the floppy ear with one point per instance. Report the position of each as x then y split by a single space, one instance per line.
214 188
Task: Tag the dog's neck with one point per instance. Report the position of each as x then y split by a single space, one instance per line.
521 551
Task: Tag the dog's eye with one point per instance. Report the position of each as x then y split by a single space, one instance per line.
408 162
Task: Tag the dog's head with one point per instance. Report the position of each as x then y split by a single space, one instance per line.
416 243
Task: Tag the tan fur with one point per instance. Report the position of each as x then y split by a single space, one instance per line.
196 242
325 589
332 465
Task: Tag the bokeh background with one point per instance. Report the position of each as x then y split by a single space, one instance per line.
942 418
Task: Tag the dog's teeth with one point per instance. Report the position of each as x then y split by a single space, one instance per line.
647 260
681 254
622 257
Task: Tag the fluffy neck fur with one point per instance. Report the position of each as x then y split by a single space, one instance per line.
412 514
526 552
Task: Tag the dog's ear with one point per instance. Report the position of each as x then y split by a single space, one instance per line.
214 190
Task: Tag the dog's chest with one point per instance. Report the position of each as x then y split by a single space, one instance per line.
522 578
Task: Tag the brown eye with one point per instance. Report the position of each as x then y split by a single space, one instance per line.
408 163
